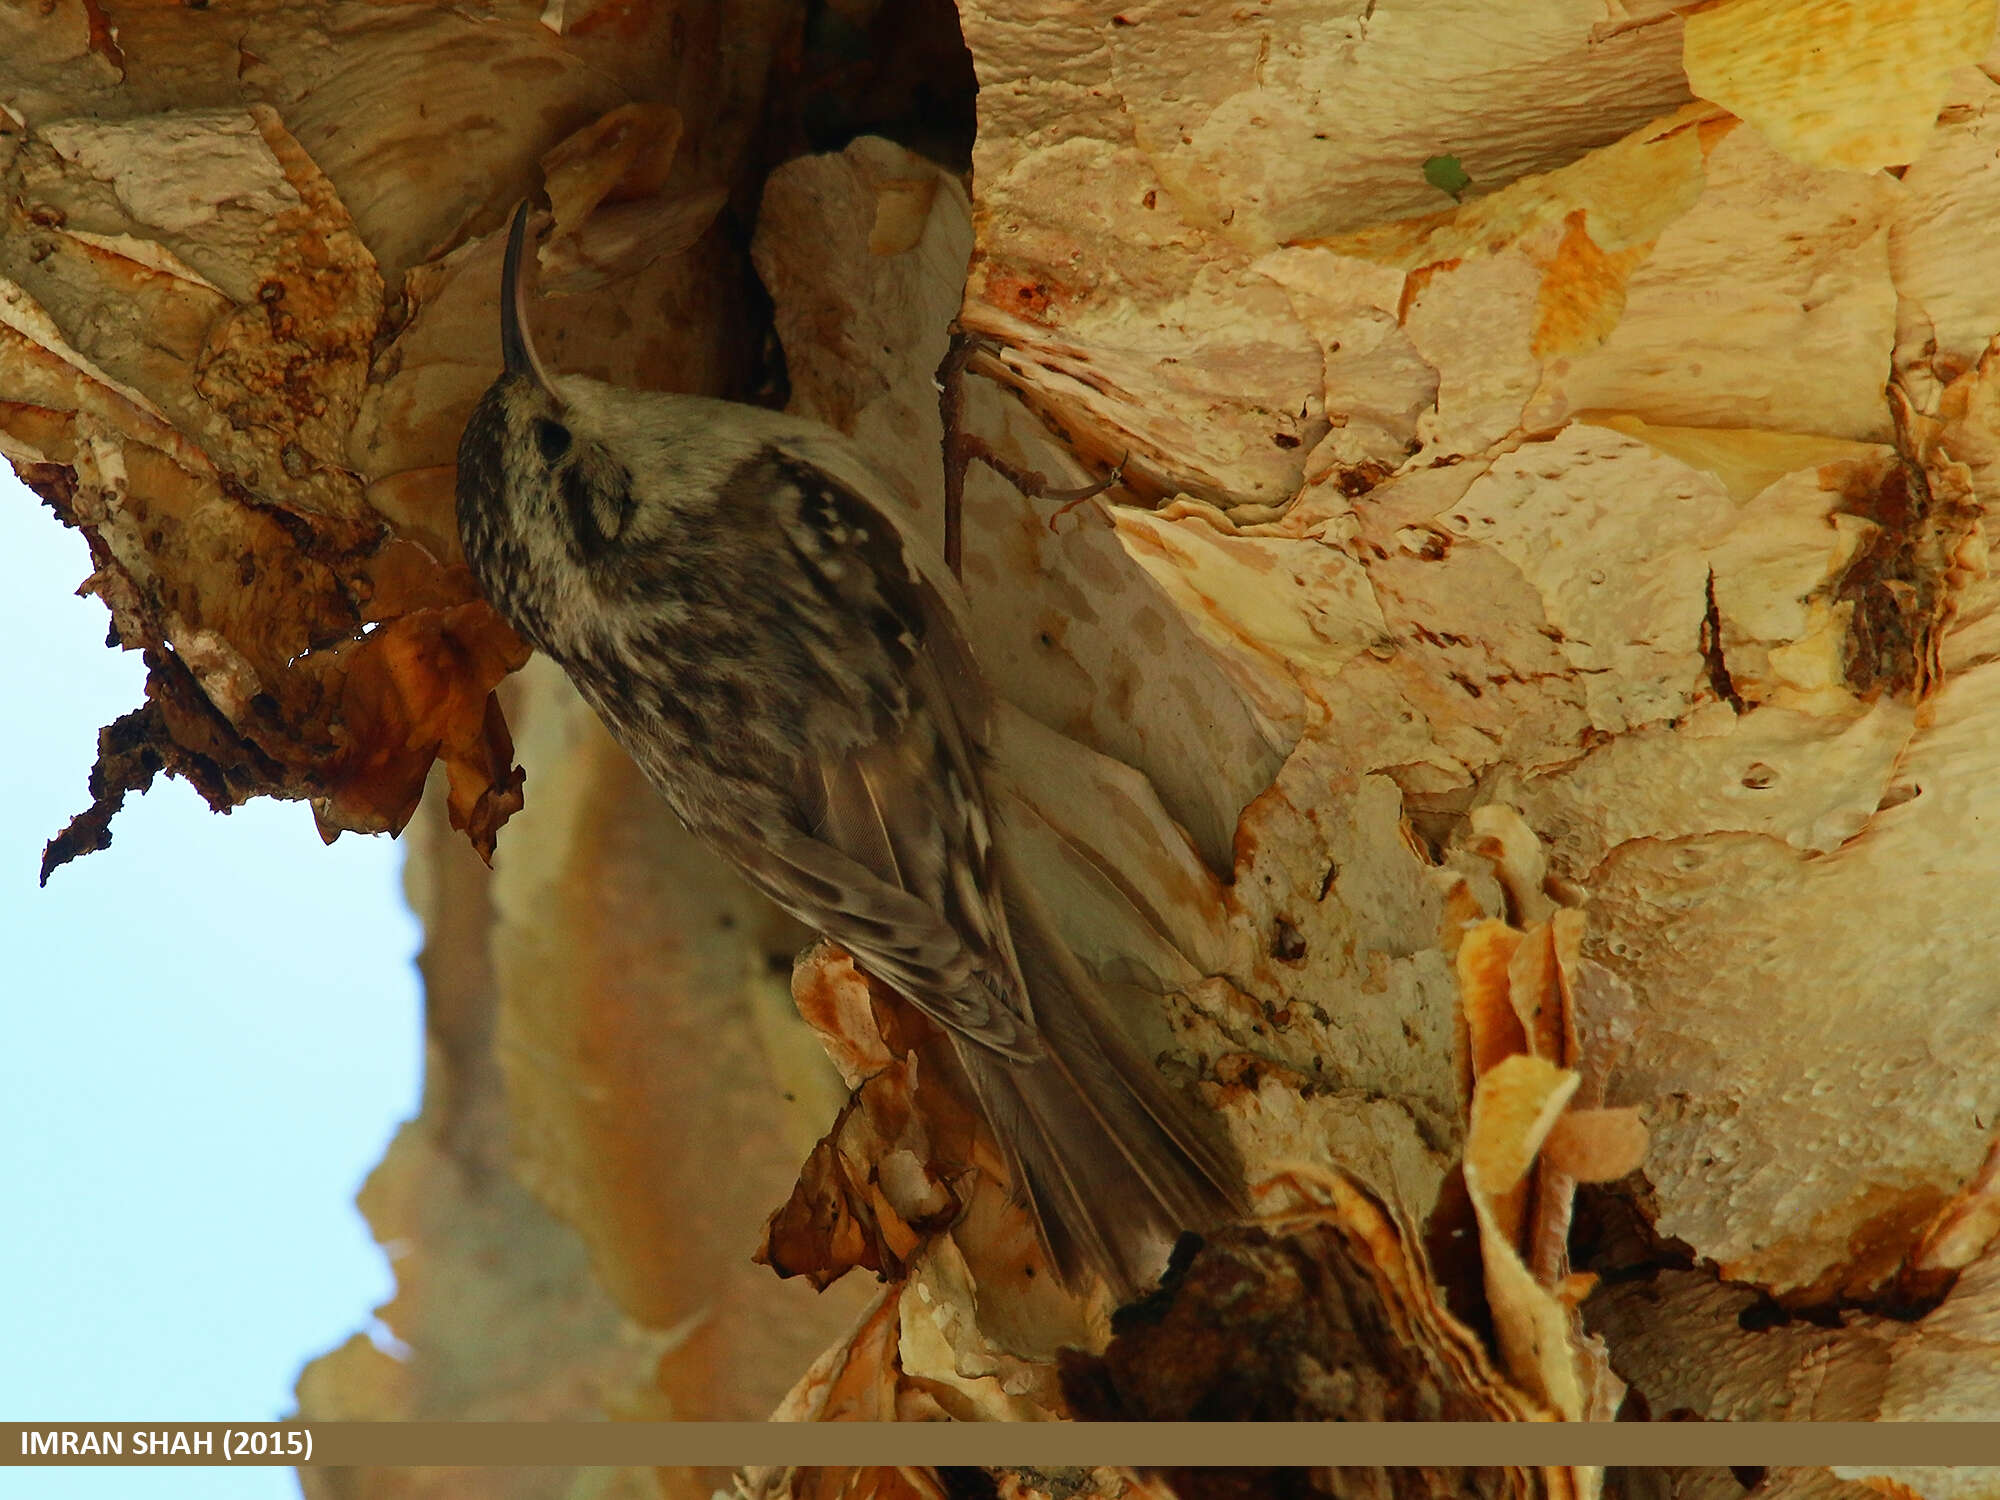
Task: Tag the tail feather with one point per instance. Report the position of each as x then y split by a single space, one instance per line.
1103 1151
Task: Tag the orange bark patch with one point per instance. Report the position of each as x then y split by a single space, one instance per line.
1583 292
1417 280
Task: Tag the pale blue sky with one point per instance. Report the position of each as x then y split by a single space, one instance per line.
212 1028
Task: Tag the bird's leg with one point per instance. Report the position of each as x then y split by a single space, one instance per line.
961 448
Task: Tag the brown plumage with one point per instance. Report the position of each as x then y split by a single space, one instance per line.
790 668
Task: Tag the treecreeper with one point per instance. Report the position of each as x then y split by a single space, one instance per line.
732 591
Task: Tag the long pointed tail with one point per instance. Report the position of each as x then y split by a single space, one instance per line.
1102 1149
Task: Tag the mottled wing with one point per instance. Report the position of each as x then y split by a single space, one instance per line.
892 854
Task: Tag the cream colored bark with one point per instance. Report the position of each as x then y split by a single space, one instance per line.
1521 722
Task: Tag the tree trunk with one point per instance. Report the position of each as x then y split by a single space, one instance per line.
1515 736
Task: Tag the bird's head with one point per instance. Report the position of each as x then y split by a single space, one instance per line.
544 498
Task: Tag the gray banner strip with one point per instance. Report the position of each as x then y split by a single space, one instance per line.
1259 1444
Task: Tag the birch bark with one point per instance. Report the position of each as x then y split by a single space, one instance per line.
1518 733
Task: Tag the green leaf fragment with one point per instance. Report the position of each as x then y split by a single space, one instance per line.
1446 175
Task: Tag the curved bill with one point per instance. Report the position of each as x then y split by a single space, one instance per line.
515 346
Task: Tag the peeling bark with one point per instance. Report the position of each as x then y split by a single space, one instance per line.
1515 739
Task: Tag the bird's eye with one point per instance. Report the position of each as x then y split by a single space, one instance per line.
552 438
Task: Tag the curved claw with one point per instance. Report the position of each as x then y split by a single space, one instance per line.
1069 500
1072 497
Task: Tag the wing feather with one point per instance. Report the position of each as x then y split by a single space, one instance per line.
891 853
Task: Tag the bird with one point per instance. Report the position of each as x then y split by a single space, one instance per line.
735 593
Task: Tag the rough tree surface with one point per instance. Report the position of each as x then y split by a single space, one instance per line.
1518 741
